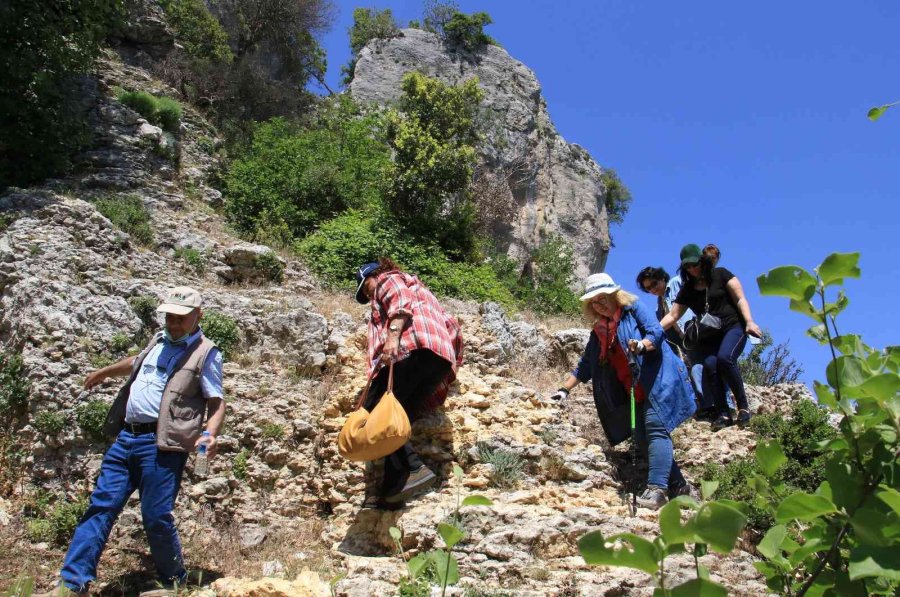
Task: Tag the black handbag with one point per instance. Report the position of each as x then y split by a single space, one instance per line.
701 328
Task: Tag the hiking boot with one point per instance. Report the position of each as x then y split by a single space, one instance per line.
419 481
707 414
743 417
61 591
686 489
376 502
722 422
653 498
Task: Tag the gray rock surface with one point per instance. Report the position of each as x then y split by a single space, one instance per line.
558 186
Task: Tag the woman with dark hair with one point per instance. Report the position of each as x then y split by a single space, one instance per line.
656 281
409 328
715 290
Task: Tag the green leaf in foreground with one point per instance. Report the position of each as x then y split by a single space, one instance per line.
791 281
445 566
450 534
770 456
877 112
625 549
698 587
417 565
867 561
477 500
838 266
803 506
719 525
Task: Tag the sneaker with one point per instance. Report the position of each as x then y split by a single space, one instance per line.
706 414
653 498
419 481
376 502
686 489
722 422
743 417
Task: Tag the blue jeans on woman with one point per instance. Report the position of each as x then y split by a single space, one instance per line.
651 433
132 462
720 367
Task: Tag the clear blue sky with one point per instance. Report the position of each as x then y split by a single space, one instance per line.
742 124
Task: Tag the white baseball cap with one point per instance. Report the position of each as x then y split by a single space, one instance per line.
181 301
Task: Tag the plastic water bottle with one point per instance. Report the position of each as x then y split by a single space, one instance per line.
201 465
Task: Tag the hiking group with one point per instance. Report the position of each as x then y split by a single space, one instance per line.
172 401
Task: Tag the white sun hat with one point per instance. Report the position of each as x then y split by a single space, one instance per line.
599 284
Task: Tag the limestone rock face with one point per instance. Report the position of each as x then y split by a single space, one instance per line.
557 186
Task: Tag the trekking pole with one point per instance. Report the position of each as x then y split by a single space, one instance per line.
635 373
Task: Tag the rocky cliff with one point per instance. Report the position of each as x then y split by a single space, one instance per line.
280 508
556 186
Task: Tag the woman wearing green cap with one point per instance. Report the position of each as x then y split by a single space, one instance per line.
716 291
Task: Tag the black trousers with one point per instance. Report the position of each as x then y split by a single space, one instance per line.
415 378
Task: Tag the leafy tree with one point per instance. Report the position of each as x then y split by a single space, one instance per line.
433 138
197 30
298 177
768 366
368 24
44 47
617 197
467 31
552 274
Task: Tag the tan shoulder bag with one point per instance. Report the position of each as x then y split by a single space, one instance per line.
370 436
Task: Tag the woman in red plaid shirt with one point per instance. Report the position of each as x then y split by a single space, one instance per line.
408 326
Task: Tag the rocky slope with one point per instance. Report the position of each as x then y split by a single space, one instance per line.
279 500
556 186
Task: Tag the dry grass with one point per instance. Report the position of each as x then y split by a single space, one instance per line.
330 302
553 323
542 378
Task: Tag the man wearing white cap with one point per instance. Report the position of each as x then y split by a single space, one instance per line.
157 419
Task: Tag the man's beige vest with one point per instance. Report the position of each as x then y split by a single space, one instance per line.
182 411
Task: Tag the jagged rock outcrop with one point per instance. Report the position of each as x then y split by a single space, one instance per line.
556 186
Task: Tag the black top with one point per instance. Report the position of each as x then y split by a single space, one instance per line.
720 302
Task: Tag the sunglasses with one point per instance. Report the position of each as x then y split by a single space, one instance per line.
651 286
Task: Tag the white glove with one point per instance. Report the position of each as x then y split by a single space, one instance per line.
560 394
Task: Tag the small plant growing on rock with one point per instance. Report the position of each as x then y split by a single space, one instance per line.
55 524
91 416
440 562
222 330
145 308
273 431
120 343
193 259
50 422
239 467
506 466
129 215
271 267
162 111
14 385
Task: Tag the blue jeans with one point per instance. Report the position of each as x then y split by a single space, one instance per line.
720 367
132 462
652 435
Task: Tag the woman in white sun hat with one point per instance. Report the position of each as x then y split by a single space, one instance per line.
621 325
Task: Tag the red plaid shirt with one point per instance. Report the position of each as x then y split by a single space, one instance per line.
430 327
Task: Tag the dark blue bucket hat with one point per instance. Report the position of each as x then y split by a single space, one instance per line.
362 273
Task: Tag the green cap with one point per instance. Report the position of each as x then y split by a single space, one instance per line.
690 254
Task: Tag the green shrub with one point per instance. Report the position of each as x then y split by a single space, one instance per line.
197 30
239 468
6 220
50 422
193 258
222 330
145 308
273 431
368 24
433 138
467 31
46 47
56 525
14 385
162 111
120 343
507 465
617 197
766 365
341 245
553 271
129 215
271 266
300 177
91 417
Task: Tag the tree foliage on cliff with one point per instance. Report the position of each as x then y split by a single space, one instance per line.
368 24
433 138
44 46
617 198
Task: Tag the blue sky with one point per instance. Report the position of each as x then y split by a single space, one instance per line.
742 124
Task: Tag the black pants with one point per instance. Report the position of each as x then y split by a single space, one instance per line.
415 378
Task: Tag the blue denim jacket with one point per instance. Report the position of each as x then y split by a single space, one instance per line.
663 375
